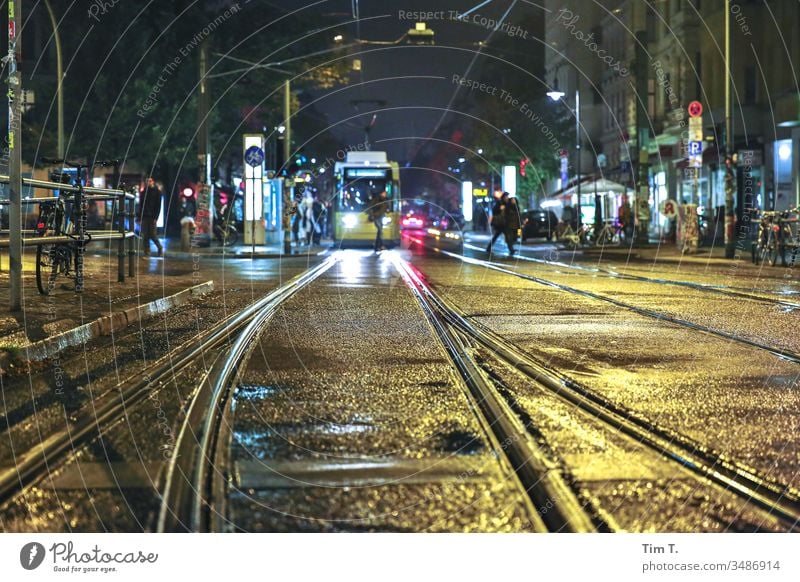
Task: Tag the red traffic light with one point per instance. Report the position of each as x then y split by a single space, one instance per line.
188 192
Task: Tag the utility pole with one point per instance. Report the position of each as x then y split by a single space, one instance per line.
288 206
578 143
641 207
730 177
60 73
13 60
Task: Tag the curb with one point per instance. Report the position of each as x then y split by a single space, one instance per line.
238 255
102 326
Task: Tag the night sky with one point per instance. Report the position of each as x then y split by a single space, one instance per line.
414 83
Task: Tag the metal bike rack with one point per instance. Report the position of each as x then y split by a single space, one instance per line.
124 209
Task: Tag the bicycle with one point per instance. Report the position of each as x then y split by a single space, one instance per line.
609 234
774 237
57 258
574 239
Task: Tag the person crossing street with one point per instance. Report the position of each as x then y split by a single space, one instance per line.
378 208
498 218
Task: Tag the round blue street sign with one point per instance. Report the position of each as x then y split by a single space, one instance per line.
254 156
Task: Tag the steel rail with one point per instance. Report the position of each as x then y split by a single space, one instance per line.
707 288
37 463
539 479
787 355
745 482
195 485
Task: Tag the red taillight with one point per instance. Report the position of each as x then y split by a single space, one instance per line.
40 226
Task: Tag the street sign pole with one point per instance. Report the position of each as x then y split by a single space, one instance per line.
691 218
641 205
15 152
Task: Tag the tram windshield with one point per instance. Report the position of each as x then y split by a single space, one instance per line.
358 185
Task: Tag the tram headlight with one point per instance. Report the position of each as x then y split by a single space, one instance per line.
349 220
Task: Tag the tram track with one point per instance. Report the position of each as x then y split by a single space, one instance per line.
196 477
724 290
197 480
539 479
744 482
53 451
786 355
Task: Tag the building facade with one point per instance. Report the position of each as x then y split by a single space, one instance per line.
682 44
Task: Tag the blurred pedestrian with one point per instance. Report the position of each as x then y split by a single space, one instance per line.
317 220
498 217
511 223
378 208
149 211
625 218
297 219
305 208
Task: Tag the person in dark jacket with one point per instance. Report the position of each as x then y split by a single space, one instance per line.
317 220
498 218
149 210
378 208
512 224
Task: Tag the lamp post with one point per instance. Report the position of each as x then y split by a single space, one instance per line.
60 74
557 95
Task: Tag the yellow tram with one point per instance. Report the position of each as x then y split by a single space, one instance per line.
360 178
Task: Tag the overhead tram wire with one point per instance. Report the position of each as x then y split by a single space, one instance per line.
466 72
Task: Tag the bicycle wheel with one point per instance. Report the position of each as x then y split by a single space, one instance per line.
230 236
772 252
46 268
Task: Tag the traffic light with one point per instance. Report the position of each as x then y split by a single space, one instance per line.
297 163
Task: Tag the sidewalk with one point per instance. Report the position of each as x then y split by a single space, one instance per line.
670 253
49 323
157 285
654 252
172 249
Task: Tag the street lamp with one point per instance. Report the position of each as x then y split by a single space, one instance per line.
556 95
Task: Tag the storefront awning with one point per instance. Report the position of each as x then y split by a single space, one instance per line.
590 185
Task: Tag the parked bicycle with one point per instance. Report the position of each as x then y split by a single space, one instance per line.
608 235
775 237
574 239
60 219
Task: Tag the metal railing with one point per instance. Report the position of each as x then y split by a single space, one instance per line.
123 211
